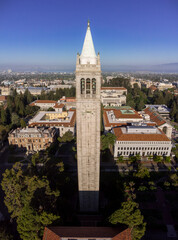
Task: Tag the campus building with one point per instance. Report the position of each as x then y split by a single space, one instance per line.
113 96
32 139
86 233
159 120
44 104
64 121
162 109
141 139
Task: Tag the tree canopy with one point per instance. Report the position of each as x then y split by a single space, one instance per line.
130 215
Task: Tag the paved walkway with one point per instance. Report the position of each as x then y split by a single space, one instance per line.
164 207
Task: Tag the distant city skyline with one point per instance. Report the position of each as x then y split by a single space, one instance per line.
51 32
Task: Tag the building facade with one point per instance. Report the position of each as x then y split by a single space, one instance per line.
64 121
141 140
88 107
113 96
32 139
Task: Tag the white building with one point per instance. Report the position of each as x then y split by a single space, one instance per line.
141 139
63 120
113 96
163 86
44 104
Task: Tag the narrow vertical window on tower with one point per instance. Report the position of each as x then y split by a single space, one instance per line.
94 86
88 86
82 85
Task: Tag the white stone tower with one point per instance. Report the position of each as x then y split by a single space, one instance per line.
88 84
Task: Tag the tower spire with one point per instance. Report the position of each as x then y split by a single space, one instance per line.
88 54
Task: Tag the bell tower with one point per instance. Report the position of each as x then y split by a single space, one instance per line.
88 107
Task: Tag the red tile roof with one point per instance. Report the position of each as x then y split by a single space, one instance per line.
57 105
154 116
3 98
118 114
45 101
139 137
56 233
113 88
153 87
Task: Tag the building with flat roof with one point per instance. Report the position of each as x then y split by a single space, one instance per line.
32 139
113 96
141 139
113 117
63 120
86 233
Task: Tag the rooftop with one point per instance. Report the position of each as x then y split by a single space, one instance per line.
154 116
86 233
122 134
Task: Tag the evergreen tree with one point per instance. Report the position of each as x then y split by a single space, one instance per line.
130 215
23 123
15 119
3 116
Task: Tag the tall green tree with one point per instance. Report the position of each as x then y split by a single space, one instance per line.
130 215
15 119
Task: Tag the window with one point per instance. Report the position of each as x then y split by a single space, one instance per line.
82 85
94 86
88 86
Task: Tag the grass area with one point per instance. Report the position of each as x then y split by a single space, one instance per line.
14 159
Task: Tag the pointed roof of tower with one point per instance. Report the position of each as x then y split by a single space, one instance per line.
88 52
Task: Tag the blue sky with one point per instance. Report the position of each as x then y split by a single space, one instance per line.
125 32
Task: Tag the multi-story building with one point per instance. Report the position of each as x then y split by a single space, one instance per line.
44 104
87 233
32 139
162 109
88 104
160 121
141 139
5 90
117 116
63 120
113 96
163 86
33 90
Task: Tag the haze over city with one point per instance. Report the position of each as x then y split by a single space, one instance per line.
130 35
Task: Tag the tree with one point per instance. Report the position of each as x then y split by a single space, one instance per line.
130 215
15 119
4 233
23 123
142 172
36 223
51 109
107 141
3 116
67 137
29 199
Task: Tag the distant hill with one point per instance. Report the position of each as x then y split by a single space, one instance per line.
167 68
162 68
